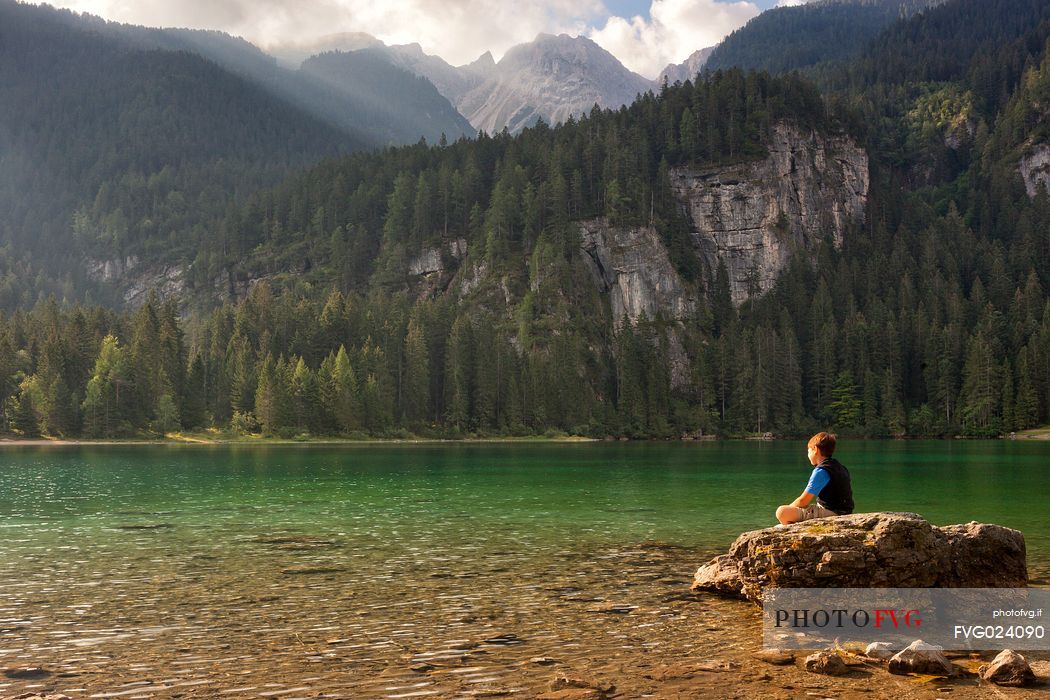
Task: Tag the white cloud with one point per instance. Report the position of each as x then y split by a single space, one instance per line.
792 3
676 29
457 30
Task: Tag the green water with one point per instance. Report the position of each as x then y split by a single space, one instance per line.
420 570
693 494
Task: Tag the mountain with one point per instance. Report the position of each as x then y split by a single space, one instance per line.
686 70
104 144
392 116
388 97
392 106
549 78
783 39
452 82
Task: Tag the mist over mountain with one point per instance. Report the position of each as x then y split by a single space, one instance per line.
102 140
293 53
385 94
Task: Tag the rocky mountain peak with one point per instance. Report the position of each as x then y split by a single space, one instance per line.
687 69
549 78
484 64
550 52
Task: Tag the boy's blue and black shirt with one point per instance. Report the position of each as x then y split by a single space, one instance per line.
830 483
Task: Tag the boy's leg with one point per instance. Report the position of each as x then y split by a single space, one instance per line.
813 511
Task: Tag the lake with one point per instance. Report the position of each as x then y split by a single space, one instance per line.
416 570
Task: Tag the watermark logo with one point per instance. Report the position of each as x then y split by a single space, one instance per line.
953 618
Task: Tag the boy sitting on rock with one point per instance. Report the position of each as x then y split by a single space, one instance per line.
829 484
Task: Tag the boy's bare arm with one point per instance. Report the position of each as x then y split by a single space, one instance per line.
802 501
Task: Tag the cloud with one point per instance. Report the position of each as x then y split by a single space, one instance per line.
457 30
676 29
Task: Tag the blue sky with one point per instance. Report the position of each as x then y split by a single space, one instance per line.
629 8
645 35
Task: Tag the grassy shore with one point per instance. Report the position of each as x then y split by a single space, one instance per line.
1041 433
219 437
215 436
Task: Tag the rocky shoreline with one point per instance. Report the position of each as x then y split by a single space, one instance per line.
303 614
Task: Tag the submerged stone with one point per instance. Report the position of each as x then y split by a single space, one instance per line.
27 672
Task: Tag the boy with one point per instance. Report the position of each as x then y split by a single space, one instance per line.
829 484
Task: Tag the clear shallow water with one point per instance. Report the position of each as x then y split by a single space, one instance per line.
266 569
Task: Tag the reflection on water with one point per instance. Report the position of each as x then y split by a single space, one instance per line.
408 571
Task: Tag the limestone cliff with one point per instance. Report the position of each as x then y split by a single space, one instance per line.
754 216
1035 168
631 265
751 216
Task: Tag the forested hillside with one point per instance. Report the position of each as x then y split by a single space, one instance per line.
110 145
122 145
790 38
459 288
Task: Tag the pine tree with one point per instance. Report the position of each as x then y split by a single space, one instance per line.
22 412
981 399
268 397
416 393
1026 408
347 405
845 408
722 311
459 373
892 407
305 396
110 396
194 403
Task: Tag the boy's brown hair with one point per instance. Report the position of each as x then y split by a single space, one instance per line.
824 443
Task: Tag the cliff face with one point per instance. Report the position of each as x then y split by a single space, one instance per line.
1035 169
755 216
751 216
631 265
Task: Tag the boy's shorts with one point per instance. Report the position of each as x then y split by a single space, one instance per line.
814 510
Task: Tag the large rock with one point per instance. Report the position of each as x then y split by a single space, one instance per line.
868 550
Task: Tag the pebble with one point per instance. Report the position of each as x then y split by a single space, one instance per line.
827 663
776 657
